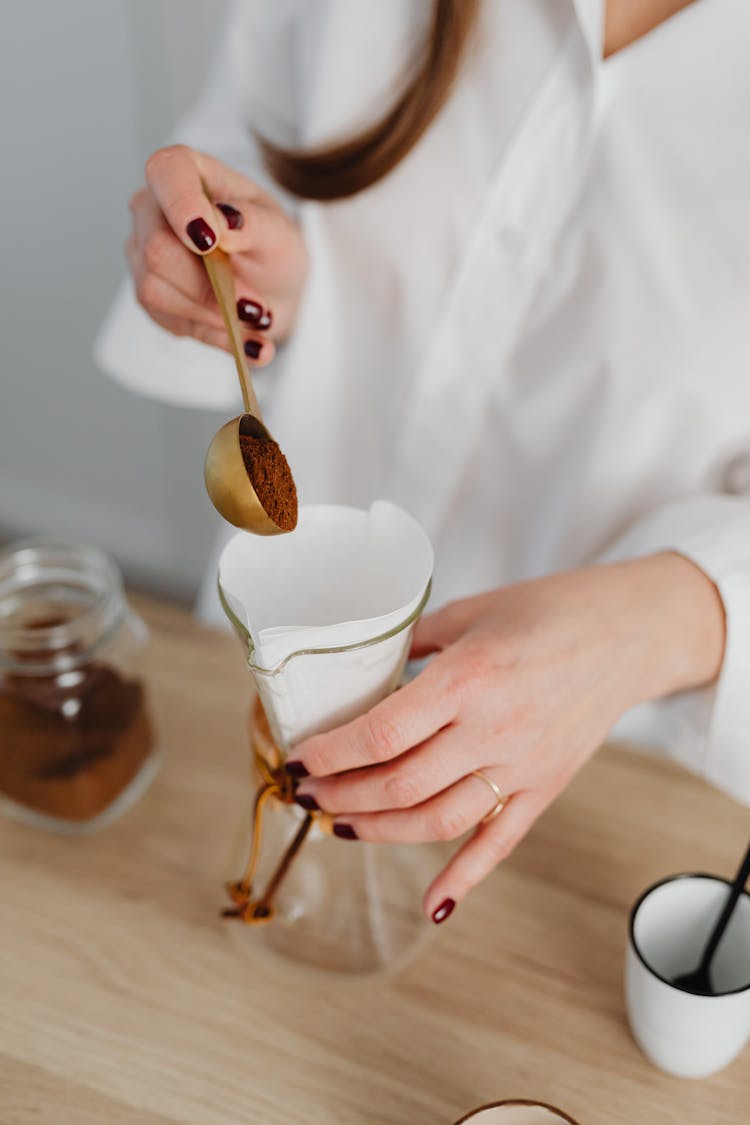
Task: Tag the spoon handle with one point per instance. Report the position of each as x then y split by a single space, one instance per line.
221 277
734 894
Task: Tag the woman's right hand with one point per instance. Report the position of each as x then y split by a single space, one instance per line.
174 224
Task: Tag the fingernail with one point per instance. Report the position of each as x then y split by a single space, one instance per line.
201 234
249 311
297 769
442 912
345 832
233 217
265 321
253 348
307 801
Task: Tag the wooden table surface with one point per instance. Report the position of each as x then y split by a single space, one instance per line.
126 1000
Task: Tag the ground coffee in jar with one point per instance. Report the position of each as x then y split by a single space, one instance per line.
76 744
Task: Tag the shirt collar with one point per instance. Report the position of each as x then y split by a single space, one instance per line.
590 14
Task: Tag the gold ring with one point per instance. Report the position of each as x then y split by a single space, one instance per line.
500 799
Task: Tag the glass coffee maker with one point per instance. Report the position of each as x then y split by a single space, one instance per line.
325 617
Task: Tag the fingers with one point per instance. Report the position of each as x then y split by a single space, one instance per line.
445 816
191 204
251 221
259 350
157 295
262 232
491 844
206 203
174 175
401 721
160 253
171 284
175 314
404 782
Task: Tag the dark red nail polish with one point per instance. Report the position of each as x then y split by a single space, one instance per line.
253 348
265 321
249 311
442 912
296 769
233 217
201 234
345 832
307 801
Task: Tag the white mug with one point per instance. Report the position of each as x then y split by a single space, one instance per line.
518 1112
682 1032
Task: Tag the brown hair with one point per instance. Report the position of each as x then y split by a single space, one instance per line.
349 166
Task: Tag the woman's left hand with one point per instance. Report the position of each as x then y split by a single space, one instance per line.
526 684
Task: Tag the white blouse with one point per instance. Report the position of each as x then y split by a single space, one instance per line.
534 334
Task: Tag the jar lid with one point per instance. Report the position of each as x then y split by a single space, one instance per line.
59 601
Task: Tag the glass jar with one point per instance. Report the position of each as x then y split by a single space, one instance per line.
76 743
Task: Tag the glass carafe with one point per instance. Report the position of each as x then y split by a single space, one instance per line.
345 907
325 617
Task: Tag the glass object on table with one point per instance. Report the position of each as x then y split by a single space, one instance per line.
346 907
76 744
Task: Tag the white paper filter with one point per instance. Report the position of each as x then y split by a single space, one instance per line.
344 576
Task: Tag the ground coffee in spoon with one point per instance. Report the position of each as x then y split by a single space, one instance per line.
271 477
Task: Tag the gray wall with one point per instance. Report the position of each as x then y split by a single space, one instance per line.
89 88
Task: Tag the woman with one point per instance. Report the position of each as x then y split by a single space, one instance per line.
514 300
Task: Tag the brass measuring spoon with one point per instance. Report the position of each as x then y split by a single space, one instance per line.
226 476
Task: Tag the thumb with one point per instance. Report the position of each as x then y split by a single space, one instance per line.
251 226
174 175
435 631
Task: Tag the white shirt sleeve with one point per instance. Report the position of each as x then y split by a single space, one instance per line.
245 90
707 730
